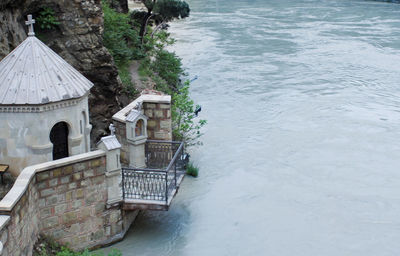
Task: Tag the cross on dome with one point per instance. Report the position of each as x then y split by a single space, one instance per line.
30 23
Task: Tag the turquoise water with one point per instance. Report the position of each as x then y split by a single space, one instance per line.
301 153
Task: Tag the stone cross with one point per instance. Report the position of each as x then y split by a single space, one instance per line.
30 23
112 129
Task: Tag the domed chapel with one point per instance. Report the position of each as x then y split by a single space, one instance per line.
43 106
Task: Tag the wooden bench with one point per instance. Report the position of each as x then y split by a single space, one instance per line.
3 169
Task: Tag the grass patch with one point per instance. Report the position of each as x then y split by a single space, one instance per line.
192 170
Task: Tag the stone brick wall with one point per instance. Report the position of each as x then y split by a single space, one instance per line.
159 122
65 201
20 233
72 203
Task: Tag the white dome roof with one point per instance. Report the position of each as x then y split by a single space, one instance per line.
35 74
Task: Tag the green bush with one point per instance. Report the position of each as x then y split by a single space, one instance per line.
185 125
67 252
168 66
123 42
120 38
192 170
46 19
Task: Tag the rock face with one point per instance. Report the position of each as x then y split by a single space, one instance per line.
78 39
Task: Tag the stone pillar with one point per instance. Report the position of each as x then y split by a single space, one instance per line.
112 148
137 153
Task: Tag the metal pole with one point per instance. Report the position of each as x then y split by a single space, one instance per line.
123 184
175 172
166 187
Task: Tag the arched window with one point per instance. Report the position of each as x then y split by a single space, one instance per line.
59 138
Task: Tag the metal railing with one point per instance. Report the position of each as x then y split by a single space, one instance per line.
165 162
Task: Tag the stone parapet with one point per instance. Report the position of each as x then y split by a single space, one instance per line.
120 116
65 199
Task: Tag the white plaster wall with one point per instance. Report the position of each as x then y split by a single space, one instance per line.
25 137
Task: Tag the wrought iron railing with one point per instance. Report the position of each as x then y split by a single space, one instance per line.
165 161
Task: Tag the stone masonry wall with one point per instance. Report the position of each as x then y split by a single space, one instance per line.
159 122
72 203
67 203
21 232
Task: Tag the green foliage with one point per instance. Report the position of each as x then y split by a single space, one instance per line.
172 9
168 66
120 38
165 69
192 170
185 126
162 11
68 252
123 42
46 19
160 40
144 68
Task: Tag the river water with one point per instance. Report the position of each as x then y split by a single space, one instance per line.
301 153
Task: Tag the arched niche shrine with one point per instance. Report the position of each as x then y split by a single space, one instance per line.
136 132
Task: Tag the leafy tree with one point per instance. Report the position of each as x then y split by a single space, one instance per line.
163 11
185 126
168 66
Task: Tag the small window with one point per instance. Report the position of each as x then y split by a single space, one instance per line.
80 123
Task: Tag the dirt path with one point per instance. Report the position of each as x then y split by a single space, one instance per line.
139 83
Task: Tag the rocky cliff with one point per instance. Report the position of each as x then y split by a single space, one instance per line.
78 39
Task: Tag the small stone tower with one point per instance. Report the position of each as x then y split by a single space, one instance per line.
43 106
